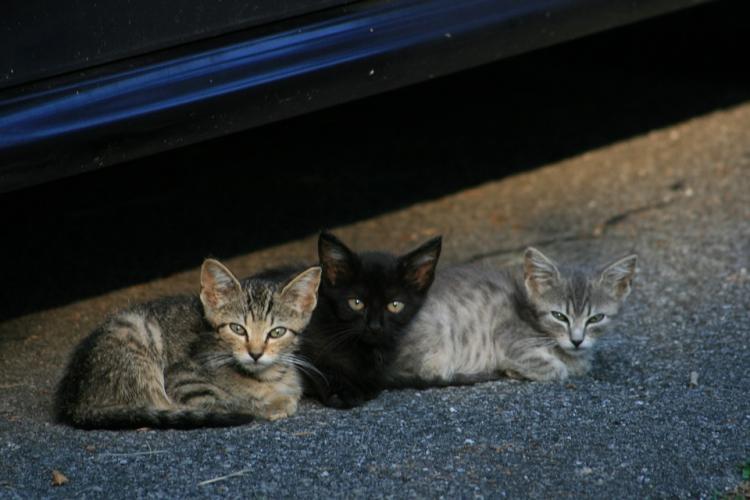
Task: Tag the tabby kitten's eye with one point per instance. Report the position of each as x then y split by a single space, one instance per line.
356 304
396 306
559 316
277 332
595 319
237 328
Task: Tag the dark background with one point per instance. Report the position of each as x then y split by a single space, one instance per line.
81 236
42 38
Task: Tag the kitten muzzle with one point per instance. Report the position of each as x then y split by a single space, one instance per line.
375 326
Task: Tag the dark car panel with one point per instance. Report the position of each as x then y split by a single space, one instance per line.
124 110
50 38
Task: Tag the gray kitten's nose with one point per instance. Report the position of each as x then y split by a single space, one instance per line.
576 342
255 355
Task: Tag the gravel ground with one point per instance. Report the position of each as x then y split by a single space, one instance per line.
634 427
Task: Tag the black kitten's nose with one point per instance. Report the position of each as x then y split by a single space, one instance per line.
577 342
375 327
255 355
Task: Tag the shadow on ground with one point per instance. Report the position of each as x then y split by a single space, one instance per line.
79 237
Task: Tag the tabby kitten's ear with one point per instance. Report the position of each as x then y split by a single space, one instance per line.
617 277
301 293
418 266
540 273
337 261
218 285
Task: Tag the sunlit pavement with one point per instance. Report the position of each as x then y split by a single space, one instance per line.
634 141
634 427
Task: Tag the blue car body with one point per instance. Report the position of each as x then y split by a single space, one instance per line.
54 125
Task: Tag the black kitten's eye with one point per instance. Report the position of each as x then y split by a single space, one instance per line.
237 328
356 304
277 332
396 306
595 319
559 316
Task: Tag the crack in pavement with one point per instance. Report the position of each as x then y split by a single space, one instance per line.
598 231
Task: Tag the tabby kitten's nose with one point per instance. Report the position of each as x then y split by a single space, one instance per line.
576 342
255 355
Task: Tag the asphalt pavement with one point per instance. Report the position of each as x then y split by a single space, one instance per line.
646 153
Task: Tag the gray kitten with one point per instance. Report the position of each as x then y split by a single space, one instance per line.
220 358
537 323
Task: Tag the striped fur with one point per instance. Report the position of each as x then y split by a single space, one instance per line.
536 323
185 362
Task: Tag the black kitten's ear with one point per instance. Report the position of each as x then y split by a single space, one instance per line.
301 292
418 266
617 277
539 272
337 261
218 285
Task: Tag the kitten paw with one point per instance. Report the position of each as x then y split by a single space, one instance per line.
279 409
276 416
550 370
556 372
345 400
342 403
514 375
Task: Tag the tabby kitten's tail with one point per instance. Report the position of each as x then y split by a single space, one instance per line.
126 417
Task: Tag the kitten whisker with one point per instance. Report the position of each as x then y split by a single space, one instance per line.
214 361
333 330
303 365
337 340
334 345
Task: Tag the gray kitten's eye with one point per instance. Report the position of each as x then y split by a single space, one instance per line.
559 316
595 319
396 306
277 332
356 304
237 328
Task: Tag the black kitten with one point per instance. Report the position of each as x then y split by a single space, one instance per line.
364 303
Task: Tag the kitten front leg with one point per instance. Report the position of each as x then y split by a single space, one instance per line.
538 364
349 396
338 391
344 400
278 398
187 387
278 408
579 366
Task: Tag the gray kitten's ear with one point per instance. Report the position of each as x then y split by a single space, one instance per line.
218 285
301 293
539 272
418 266
617 277
337 261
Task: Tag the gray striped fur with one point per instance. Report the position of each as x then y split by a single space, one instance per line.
480 323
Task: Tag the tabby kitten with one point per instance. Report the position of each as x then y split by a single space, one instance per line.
365 303
537 323
222 358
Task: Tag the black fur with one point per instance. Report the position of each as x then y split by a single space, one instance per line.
350 348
